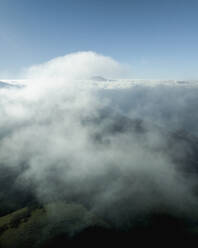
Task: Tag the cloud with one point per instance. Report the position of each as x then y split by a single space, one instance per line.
167 104
68 142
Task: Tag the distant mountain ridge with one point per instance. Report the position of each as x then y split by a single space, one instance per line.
9 85
5 85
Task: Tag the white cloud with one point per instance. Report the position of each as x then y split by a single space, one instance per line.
54 127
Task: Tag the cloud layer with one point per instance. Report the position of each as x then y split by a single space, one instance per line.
71 141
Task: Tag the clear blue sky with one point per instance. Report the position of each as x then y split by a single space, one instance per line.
159 38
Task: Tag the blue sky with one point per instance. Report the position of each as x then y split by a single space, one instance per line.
159 39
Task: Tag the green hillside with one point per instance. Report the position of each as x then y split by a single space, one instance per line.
33 228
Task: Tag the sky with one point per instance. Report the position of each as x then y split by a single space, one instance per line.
157 39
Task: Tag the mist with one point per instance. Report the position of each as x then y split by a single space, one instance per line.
106 148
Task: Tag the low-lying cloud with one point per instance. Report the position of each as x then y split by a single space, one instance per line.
72 142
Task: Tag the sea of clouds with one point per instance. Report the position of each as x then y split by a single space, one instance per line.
48 130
